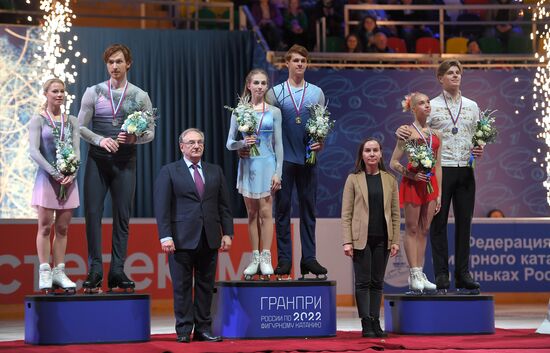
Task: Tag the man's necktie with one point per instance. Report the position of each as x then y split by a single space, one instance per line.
198 180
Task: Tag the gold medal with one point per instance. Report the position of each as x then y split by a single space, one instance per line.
298 120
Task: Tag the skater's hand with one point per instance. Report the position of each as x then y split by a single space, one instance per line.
437 205
244 153
275 183
67 179
226 243
477 151
348 250
250 140
317 146
403 132
109 144
124 137
394 249
168 247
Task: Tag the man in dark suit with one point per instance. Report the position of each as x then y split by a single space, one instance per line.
192 211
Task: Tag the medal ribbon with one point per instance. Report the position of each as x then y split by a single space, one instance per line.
455 121
261 119
52 122
113 109
297 108
423 138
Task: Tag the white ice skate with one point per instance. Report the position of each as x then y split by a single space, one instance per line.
265 264
252 269
428 286
45 277
416 285
60 279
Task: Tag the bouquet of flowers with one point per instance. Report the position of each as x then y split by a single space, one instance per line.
422 158
138 122
317 127
66 163
246 119
485 133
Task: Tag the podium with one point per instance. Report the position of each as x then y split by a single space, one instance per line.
272 309
439 314
92 318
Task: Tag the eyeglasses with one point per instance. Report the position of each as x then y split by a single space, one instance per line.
192 143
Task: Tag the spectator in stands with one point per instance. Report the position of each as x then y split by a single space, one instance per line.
410 33
503 31
268 17
473 47
367 31
353 44
380 44
333 14
295 24
495 213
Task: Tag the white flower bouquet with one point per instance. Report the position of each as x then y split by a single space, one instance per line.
317 127
422 158
66 163
138 122
246 119
485 133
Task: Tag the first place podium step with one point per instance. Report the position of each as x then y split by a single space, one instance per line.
90 318
270 309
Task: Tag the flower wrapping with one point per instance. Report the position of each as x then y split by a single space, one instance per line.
485 132
421 158
66 163
317 128
138 122
246 120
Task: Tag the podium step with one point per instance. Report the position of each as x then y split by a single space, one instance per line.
274 309
93 318
439 314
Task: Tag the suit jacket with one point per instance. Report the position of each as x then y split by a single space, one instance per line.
355 209
180 212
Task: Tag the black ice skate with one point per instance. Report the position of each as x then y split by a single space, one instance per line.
92 284
313 267
282 271
442 282
465 285
120 281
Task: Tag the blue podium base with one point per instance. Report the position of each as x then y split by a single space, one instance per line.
439 314
273 309
95 318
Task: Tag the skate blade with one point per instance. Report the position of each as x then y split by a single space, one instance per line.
93 290
283 277
46 291
118 290
57 290
464 291
414 292
316 278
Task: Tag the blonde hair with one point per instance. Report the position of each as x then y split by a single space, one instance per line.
46 86
410 100
248 79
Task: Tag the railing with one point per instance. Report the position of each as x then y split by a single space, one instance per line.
189 20
441 23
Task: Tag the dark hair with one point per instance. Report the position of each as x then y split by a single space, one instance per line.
246 91
493 211
296 49
360 163
359 48
446 65
113 48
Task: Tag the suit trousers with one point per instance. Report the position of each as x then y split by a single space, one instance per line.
369 266
198 267
459 187
118 177
305 178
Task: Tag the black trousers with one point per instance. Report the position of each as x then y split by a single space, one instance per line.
119 178
193 272
369 266
459 187
305 178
